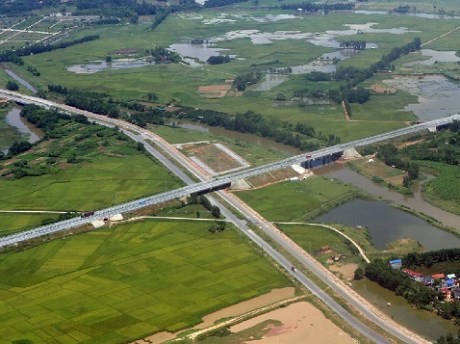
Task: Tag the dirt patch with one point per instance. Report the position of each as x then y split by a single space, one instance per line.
379 88
273 296
346 271
213 156
301 323
214 91
272 177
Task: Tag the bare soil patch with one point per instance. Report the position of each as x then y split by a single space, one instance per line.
212 156
346 271
380 88
276 295
272 177
214 91
301 323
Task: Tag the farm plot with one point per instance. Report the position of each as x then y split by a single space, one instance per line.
119 284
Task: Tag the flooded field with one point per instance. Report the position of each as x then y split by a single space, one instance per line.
434 56
437 95
99 65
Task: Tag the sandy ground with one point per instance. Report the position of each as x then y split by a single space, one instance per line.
273 296
273 177
301 323
382 89
215 91
347 271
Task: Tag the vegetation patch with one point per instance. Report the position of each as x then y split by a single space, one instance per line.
119 284
78 167
298 200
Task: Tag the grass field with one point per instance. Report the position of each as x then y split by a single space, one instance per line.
444 190
298 200
312 238
10 223
103 182
115 285
84 167
256 154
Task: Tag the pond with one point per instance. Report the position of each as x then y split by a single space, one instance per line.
416 202
434 56
437 95
386 224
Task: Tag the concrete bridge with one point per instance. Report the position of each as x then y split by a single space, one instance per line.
198 188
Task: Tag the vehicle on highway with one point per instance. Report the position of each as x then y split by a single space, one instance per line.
87 214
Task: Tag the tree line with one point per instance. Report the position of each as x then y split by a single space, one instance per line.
400 283
14 56
357 45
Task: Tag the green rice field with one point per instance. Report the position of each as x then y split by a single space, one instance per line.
116 285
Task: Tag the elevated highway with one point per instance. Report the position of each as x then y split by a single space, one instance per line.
200 187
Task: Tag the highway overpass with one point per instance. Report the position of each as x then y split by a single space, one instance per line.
200 187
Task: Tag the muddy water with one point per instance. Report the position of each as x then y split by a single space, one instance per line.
252 139
14 119
423 322
437 96
416 203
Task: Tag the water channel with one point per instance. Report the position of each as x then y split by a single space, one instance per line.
21 81
14 119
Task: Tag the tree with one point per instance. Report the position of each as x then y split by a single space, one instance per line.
12 86
108 59
359 274
215 211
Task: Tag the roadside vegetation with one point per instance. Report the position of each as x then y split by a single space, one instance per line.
293 201
78 166
123 283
